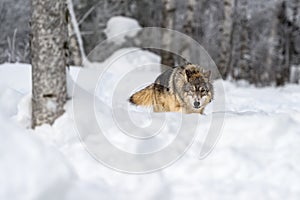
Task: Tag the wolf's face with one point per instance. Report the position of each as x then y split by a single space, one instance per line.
197 96
197 89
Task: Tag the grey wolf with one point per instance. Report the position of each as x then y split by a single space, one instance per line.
186 89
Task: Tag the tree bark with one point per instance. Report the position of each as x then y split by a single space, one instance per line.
295 35
246 72
227 31
76 50
283 46
168 22
188 29
48 58
272 39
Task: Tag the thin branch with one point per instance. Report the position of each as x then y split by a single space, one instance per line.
86 15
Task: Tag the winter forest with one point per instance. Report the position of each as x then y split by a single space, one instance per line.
99 99
257 41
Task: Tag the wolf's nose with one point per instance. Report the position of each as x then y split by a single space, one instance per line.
196 104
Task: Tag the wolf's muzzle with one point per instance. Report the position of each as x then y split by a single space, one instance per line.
197 104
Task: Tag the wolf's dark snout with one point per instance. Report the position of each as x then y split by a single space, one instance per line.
196 104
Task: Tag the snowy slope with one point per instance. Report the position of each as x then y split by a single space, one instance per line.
257 156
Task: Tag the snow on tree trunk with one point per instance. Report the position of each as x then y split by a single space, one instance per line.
168 22
226 37
48 48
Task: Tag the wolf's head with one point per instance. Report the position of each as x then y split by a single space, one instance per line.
197 87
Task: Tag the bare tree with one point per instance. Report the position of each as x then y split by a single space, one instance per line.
48 48
283 46
76 49
270 58
244 63
168 22
296 28
188 28
295 42
227 27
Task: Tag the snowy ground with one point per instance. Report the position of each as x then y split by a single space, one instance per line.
257 156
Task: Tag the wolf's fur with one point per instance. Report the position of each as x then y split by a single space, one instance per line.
177 90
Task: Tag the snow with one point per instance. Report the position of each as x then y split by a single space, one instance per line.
119 27
51 105
24 162
257 155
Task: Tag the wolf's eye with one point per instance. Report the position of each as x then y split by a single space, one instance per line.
202 90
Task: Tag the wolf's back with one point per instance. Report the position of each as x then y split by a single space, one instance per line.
164 78
144 97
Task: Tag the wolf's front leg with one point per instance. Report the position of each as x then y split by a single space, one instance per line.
201 111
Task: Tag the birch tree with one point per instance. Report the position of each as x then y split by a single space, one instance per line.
49 35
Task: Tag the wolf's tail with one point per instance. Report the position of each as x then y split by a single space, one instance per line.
143 97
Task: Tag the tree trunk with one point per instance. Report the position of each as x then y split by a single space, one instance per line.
234 43
168 22
295 43
243 70
244 62
76 50
48 59
188 29
272 39
283 47
227 32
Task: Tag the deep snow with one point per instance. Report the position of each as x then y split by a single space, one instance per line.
258 155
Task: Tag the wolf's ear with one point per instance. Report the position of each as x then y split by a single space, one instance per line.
188 73
207 74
